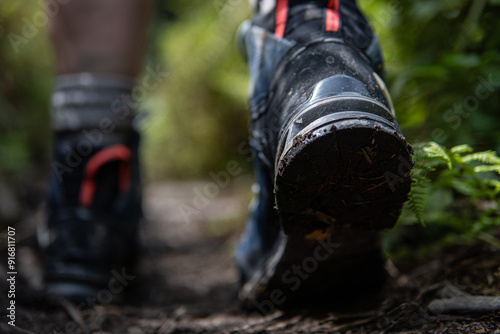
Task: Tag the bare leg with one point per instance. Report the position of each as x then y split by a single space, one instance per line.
103 36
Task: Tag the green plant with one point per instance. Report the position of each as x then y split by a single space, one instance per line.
25 84
455 188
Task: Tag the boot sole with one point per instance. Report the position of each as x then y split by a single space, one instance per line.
341 180
77 282
349 169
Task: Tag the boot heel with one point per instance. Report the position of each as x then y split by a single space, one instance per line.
344 169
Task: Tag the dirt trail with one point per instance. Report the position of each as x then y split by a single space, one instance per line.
186 281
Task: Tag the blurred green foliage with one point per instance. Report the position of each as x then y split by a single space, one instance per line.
25 84
443 71
454 199
197 118
437 55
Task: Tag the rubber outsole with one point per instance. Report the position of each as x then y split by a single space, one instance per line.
345 271
338 182
343 171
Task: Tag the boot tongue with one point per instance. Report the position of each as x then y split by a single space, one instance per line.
307 22
303 23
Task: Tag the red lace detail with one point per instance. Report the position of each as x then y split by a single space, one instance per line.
281 13
332 16
111 153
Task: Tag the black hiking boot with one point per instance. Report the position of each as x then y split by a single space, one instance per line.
331 162
90 240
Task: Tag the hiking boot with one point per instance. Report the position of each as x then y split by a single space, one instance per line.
91 234
332 166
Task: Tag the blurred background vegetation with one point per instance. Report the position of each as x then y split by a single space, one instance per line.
436 52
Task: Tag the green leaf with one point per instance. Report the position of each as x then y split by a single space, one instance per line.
461 149
435 151
487 168
486 157
417 197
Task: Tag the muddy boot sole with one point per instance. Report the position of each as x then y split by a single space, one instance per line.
348 169
339 181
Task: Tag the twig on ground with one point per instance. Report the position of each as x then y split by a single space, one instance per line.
465 304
